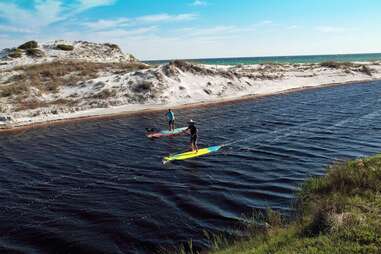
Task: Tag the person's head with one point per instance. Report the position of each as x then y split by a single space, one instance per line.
169 110
191 122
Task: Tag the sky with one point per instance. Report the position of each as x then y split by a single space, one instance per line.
186 29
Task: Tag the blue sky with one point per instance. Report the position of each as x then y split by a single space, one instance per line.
168 29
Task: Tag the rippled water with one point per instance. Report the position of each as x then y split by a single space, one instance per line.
100 187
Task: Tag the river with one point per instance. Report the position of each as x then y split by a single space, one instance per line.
100 186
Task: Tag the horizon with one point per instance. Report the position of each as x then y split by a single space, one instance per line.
267 56
199 29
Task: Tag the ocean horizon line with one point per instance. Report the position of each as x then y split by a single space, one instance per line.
280 58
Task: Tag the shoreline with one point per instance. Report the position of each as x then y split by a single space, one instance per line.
147 109
330 214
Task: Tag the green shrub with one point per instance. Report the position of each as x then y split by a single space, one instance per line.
104 94
113 46
65 47
15 53
133 58
28 45
339 212
336 65
365 69
34 52
142 87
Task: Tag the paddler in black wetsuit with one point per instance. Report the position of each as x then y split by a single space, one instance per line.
194 135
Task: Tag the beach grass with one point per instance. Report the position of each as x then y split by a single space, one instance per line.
337 213
49 77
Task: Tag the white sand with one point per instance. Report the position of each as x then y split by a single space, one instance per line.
86 51
174 85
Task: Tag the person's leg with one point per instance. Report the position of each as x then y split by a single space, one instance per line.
169 125
195 144
192 144
173 125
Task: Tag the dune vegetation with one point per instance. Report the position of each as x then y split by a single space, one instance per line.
337 213
59 80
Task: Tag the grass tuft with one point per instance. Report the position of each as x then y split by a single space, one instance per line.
15 53
365 69
29 45
65 47
337 65
104 94
338 213
34 52
50 77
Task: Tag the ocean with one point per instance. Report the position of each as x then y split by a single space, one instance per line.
281 59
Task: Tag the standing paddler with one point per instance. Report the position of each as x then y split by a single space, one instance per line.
171 120
194 135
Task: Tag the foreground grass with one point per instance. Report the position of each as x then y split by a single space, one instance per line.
339 213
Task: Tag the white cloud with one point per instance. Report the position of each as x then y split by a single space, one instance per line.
144 36
88 4
12 13
123 33
12 29
222 30
44 12
47 12
84 5
265 22
166 17
331 29
102 24
292 27
214 31
199 3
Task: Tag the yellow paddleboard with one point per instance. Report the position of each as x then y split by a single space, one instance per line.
191 154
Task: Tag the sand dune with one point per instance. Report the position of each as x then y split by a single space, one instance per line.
98 79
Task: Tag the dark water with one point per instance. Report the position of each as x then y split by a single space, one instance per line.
100 187
283 59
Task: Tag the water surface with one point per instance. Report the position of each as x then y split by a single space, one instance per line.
100 186
282 59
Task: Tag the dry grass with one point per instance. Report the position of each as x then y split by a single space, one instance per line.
34 103
186 67
348 67
112 46
15 89
104 94
30 104
365 69
48 77
337 65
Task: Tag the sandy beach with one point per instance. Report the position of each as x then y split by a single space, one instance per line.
129 110
47 90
